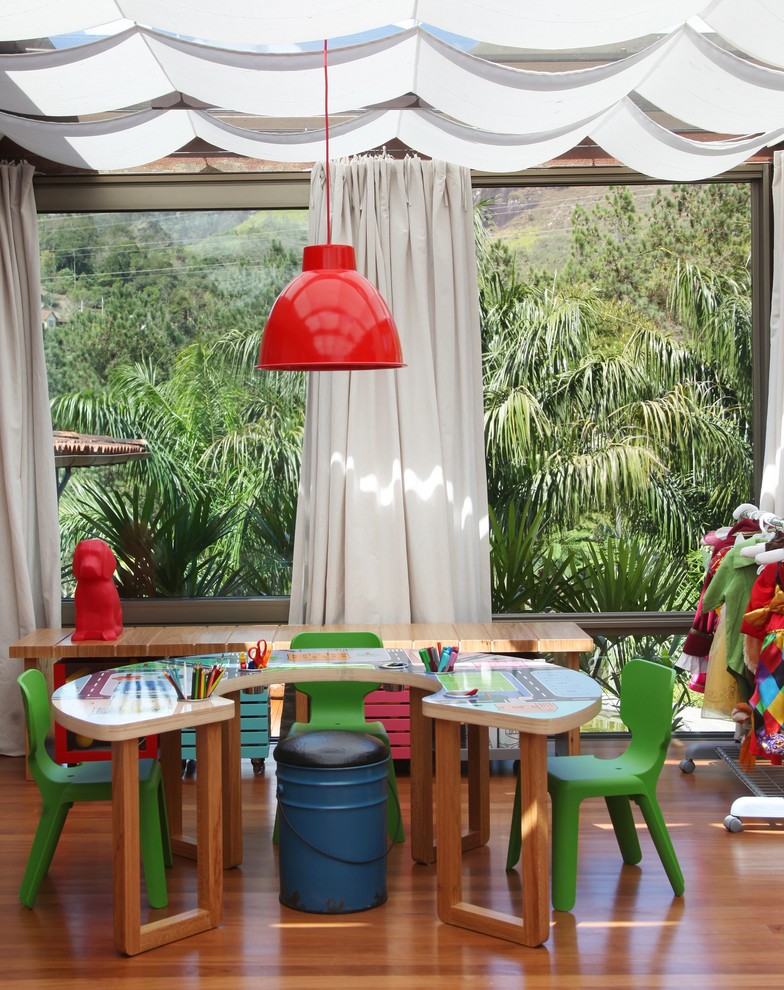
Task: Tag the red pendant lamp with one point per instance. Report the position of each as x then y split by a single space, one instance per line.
329 318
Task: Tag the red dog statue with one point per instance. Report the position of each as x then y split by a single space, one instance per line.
98 610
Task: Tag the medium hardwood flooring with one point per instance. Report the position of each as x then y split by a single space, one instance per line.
627 929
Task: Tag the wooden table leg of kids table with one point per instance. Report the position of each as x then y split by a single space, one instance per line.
231 789
532 928
130 935
423 846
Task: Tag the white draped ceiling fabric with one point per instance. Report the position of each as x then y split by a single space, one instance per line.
392 512
675 89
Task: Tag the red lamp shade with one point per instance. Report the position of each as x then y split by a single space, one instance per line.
329 318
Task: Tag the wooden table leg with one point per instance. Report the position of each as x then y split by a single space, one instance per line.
423 848
231 778
130 936
421 776
534 927
209 824
478 746
568 743
170 753
535 832
231 758
449 869
125 832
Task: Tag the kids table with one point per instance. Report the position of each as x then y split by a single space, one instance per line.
99 706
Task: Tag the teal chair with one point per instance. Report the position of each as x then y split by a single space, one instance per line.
341 705
61 787
646 710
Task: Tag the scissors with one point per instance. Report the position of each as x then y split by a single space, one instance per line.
259 654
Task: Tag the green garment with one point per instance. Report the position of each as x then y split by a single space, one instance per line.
731 586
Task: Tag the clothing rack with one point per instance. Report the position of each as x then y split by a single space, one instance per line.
764 781
768 519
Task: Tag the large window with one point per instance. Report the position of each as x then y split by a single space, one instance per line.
617 330
624 361
151 327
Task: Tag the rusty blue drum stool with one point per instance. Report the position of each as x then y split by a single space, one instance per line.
332 803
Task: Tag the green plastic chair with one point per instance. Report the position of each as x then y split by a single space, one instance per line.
61 787
646 710
341 705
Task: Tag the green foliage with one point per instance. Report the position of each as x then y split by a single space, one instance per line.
627 247
166 545
627 574
608 397
161 337
715 311
268 543
608 246
617 410
216 428
133 288
616 399
613 653
525 574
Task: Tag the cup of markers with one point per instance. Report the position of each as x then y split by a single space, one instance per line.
195 683
438 659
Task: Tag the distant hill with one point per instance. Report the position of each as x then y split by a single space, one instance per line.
535 221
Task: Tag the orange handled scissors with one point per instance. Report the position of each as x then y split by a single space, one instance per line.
259 654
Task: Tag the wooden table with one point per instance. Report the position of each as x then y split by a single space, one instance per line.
535 707
44 647
574 698
123 730
419 683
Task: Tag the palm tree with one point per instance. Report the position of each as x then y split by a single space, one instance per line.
223 438
602 417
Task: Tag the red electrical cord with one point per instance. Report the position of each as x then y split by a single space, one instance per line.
326 143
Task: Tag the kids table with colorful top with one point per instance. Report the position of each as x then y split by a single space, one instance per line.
121 707
534 699
531 696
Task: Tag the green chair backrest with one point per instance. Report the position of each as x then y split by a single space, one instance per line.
35 699
341 640
646 710
347 692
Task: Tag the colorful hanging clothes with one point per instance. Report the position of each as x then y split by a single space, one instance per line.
767 701
721 694
765 621
696 646
732 586
765 602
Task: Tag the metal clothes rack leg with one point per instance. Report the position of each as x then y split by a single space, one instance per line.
766 783
705 749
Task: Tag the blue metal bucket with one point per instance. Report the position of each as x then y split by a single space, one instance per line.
332 821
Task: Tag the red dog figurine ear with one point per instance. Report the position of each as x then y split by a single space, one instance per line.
97 601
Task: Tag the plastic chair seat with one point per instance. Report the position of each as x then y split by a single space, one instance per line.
61 787
646 709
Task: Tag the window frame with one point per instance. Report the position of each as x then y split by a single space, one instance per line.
291 190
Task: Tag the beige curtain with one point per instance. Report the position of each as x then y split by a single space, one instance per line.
772 487
392 518
29 535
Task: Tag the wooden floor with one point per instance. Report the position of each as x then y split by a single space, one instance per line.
627 930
